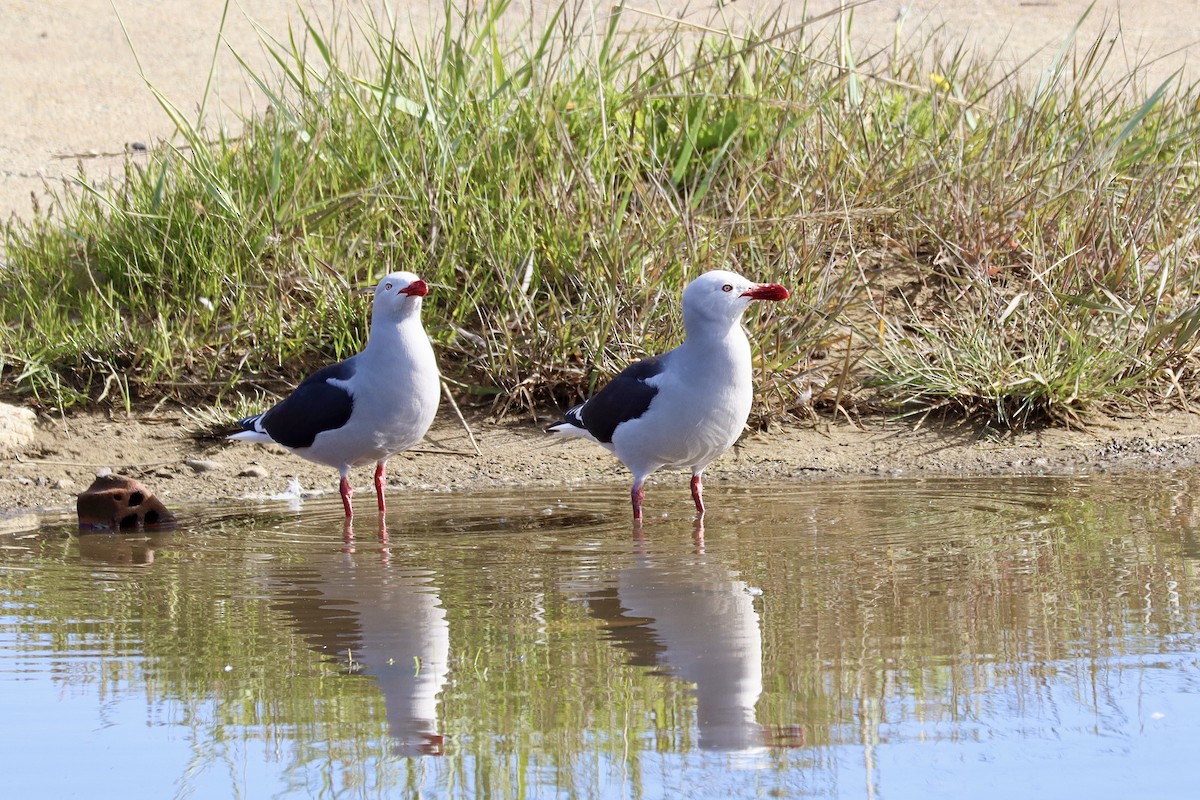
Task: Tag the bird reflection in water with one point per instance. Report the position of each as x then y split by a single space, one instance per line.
349 545
689 616
383 621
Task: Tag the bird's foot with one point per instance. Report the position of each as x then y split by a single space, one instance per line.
698 495
637 495
379 480
346 491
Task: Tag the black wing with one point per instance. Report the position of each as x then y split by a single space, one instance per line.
314 407
626 397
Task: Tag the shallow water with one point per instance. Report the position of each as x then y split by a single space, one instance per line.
877 639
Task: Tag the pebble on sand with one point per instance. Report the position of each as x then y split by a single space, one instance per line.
200 465
254 471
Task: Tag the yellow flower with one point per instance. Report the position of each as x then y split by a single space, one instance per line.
939 80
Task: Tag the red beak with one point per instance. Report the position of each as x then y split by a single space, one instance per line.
768 291
417 288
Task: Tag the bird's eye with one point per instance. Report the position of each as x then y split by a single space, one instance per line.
387 287
727 288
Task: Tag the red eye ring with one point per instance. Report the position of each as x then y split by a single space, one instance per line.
727 287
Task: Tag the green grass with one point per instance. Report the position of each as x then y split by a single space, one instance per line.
1024 250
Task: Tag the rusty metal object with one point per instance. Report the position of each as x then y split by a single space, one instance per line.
115 502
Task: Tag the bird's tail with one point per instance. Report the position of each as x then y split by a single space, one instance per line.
251 430
571 425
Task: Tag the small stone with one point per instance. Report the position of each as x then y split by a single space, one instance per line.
254 471
16 429
64 483
201 465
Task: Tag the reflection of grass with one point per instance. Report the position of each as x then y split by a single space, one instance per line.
957 238
971 593
191 634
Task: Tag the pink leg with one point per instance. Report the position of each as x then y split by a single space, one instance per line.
379 472
344 488
698 494
637 495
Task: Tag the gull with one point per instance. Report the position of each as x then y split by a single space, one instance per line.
687 406
369 407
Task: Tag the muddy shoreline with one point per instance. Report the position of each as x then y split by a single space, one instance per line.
46 472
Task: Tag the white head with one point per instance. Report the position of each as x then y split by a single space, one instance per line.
718 298
398 295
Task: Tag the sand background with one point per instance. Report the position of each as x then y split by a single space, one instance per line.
72 92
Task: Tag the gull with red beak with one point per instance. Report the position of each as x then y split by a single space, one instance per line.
685 407
370 406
